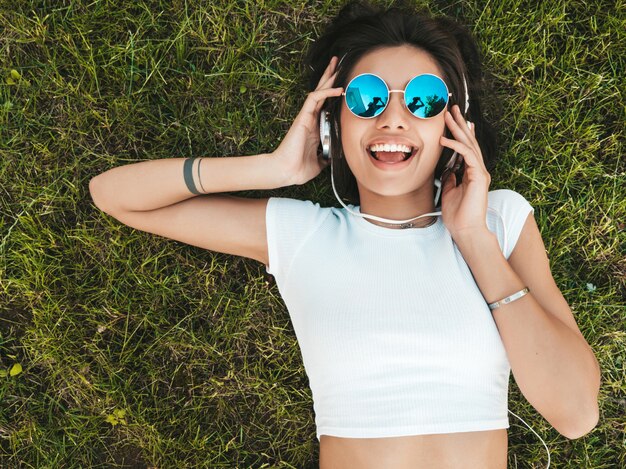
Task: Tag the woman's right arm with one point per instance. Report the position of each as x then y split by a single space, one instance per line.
150 185
153 196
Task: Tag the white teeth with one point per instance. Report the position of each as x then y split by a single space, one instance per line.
390 147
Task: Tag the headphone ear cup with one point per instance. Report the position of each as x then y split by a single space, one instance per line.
325 134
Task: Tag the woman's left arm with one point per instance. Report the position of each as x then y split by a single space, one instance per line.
552 363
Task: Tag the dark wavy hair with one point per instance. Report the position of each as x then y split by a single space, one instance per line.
360 28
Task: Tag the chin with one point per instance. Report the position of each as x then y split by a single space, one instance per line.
389 190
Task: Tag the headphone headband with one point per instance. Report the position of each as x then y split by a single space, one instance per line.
466 96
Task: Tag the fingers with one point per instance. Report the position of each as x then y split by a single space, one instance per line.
464 138
315 99
458 125
328 73
473 160
325 84
338 92
457 146
328 83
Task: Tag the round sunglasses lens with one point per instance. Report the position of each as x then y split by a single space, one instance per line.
367 95
426 96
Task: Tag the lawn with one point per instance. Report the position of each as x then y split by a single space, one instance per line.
119 348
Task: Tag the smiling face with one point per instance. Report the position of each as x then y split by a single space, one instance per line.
396 125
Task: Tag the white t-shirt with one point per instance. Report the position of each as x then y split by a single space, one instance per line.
395 335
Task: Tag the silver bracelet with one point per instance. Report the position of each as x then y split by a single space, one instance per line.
509 299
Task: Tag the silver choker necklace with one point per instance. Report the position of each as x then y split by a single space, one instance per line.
412 224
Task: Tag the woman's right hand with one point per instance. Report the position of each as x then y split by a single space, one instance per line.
297 154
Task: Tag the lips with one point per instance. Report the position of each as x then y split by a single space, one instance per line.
391 152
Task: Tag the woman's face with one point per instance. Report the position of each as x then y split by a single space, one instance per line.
396 66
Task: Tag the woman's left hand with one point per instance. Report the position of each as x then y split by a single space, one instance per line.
464 207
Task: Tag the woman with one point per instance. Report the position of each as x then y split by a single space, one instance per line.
409 323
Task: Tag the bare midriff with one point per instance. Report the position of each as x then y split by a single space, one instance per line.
467 450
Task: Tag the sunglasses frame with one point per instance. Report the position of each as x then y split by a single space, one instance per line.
396 91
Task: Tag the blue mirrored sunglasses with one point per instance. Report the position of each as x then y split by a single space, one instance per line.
425 96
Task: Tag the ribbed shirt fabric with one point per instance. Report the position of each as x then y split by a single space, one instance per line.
395 335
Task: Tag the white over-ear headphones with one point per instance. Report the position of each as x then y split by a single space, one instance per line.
325 141
325 129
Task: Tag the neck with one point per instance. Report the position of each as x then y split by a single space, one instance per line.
400 207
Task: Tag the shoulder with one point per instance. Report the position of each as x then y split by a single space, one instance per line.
298 207
293 203
506 198
507 213
510 206
289 224
294 207
295 213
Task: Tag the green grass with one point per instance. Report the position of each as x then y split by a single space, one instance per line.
138 351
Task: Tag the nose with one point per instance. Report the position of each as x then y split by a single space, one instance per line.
395 115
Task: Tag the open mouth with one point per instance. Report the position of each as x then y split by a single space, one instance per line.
391 153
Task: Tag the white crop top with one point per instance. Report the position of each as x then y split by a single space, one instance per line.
396 338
